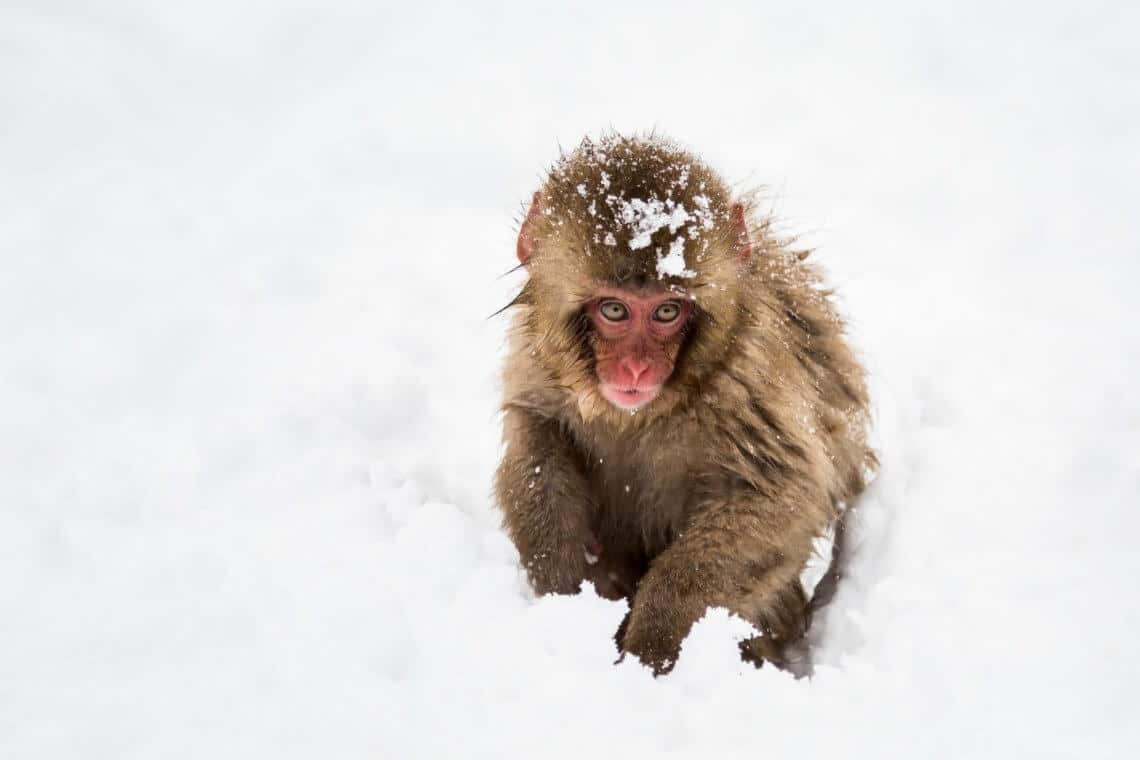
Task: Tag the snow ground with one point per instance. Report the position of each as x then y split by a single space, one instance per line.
248 383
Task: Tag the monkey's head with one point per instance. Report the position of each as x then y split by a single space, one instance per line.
634 249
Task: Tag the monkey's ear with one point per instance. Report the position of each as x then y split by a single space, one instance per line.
526 231
743 241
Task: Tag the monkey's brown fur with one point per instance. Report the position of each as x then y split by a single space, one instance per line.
712 494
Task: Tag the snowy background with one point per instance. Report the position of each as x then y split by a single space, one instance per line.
248 383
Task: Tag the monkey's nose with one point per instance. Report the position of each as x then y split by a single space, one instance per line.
635 366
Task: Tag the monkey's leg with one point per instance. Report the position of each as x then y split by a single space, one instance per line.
738 556
546 502
614 576
783 621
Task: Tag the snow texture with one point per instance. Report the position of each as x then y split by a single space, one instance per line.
248 379
673 263
647 216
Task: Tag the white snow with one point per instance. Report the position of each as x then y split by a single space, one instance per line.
673 263
248 379
819 562
645 216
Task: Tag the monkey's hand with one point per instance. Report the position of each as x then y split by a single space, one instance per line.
546 503
662 612
723 559
557 570
658 622
611 579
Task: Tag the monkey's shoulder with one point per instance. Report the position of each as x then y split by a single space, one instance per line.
528 386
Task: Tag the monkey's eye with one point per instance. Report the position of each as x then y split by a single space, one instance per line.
667 312
614 311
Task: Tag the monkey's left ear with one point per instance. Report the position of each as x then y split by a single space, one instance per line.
740 227
525 245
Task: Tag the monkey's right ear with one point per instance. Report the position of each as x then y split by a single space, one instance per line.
526 232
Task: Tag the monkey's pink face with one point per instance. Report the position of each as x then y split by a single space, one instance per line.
638 338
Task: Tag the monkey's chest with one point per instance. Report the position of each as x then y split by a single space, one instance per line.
643 495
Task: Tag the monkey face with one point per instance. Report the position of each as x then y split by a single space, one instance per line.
637 336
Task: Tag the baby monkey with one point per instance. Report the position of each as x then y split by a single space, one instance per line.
682 414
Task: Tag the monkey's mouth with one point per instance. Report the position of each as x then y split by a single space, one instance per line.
629 398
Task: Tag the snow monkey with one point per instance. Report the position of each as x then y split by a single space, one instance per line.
682 415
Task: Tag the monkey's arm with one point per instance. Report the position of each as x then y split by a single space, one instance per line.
545 501
744 555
